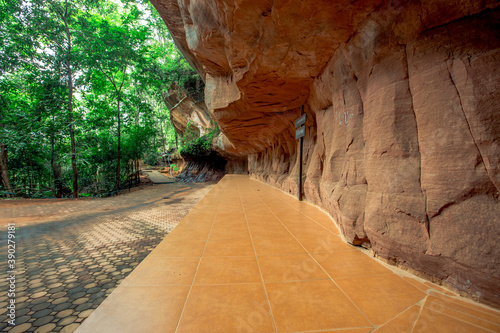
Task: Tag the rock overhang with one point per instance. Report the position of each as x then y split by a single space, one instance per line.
402 140
259 58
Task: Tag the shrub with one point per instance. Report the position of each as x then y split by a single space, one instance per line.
198 147
151 159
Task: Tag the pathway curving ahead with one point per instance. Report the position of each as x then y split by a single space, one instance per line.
250 258
71 254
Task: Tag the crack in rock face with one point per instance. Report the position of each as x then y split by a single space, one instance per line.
402 143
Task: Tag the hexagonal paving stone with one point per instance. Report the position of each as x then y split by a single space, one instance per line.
64 313
75 290
70 328
20 328
22 312
66 321
21 299
35 286
50 269
83 306
78 295
39 294
41 313
42 321
62 306
40 300
22 319
60 300
45 328
81 300
86 313
97 295
93 290
41 306
56 290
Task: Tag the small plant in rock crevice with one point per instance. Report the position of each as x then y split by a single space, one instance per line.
199 146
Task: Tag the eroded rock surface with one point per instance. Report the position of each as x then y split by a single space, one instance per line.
403 134
186 111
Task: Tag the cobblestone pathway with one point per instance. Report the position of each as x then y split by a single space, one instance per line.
68 265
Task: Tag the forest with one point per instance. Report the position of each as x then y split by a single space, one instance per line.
81 86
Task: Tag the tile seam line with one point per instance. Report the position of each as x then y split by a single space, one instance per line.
315 206
228 284
419 313
405 310
343 292
363 276
258 265
293 281
467 305
311 218
332 329
412 278
484 328
199 261
461 312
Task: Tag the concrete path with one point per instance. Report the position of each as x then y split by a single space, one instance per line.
157 177
249 258
71 254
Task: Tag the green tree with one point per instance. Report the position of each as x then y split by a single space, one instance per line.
81 93
115 45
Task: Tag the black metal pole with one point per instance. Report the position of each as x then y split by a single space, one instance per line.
301 147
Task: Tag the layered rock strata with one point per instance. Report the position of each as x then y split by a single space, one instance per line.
402 145
186 112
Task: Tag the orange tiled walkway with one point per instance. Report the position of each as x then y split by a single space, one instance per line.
249 258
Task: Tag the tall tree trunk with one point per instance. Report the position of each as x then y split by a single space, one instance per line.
137 171
4 168
70 106
73 144
118 100
29 176
56 171
118 154
4 160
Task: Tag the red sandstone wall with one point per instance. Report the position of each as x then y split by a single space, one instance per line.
403 138
403 148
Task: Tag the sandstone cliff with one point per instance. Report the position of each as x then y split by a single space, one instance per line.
403 134
186 110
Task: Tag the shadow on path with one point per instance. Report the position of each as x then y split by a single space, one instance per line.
67 266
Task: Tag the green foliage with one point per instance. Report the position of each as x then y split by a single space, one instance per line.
151 159
198 146
119 51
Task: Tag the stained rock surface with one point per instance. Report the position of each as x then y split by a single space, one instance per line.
186 110
402 145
